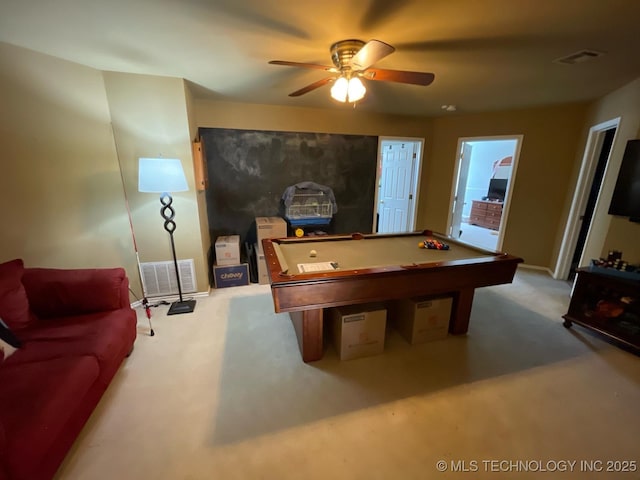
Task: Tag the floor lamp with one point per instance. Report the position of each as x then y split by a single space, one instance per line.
164 175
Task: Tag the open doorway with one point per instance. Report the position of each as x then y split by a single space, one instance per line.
592 198
481 190
397 179
585 199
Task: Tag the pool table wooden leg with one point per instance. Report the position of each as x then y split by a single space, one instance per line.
461 312
308 327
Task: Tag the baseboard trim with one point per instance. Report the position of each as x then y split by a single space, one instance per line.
536 267
171 298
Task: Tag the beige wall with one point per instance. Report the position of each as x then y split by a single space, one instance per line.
62 166
615 233
291 119
62 178
201 196
150 119
60 188
547 157
348 121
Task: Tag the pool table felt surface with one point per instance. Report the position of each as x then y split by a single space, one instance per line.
371 252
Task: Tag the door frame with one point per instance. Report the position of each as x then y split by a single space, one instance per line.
416 175
581 194
507 200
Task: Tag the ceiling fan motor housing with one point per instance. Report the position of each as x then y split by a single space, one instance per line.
343 51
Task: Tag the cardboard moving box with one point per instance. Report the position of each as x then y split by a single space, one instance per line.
422 320
263 275
230 275
270 227
358 330
228 250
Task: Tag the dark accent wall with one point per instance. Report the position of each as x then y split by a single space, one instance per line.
248 171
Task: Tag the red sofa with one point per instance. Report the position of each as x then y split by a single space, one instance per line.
75 327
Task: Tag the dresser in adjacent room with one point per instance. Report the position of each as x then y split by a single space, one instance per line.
486 214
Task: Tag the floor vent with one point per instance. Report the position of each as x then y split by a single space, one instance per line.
579 57
159 278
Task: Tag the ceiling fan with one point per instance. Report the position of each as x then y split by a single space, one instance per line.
353 59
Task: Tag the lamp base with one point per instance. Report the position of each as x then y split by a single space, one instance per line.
186 306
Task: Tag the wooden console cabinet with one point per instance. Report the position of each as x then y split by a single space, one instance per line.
607 304
486 214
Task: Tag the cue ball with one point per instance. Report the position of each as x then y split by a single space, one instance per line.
313 253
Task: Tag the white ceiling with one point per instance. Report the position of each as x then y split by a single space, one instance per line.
486 55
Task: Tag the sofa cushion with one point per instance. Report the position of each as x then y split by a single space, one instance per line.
36 401
57 293
98 334
14 305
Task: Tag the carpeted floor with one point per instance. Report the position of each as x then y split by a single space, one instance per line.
223 394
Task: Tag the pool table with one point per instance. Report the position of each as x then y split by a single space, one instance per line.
310 274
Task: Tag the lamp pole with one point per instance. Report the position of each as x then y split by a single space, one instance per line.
168 213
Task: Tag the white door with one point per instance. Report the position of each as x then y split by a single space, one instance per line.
461 188
394 196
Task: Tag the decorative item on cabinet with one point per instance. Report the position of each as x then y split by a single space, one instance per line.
607 304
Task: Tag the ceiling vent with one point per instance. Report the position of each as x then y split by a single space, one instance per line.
579 57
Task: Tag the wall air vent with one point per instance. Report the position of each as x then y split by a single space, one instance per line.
579 57
159 278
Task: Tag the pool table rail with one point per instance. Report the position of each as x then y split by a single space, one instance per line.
302 291
322 290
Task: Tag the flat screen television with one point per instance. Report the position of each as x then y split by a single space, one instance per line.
497 189
625 201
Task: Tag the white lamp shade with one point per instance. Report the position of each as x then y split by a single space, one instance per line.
160 175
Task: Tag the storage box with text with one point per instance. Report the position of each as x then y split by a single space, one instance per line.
228 250
358 330
421 320
270 227
230 275
263 275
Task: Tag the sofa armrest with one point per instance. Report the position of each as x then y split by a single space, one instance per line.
59 292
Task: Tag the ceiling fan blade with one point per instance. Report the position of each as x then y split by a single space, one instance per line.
372 52
401 76
313 86
303 65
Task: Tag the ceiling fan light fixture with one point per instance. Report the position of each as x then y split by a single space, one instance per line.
348 90
356 90
340 89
